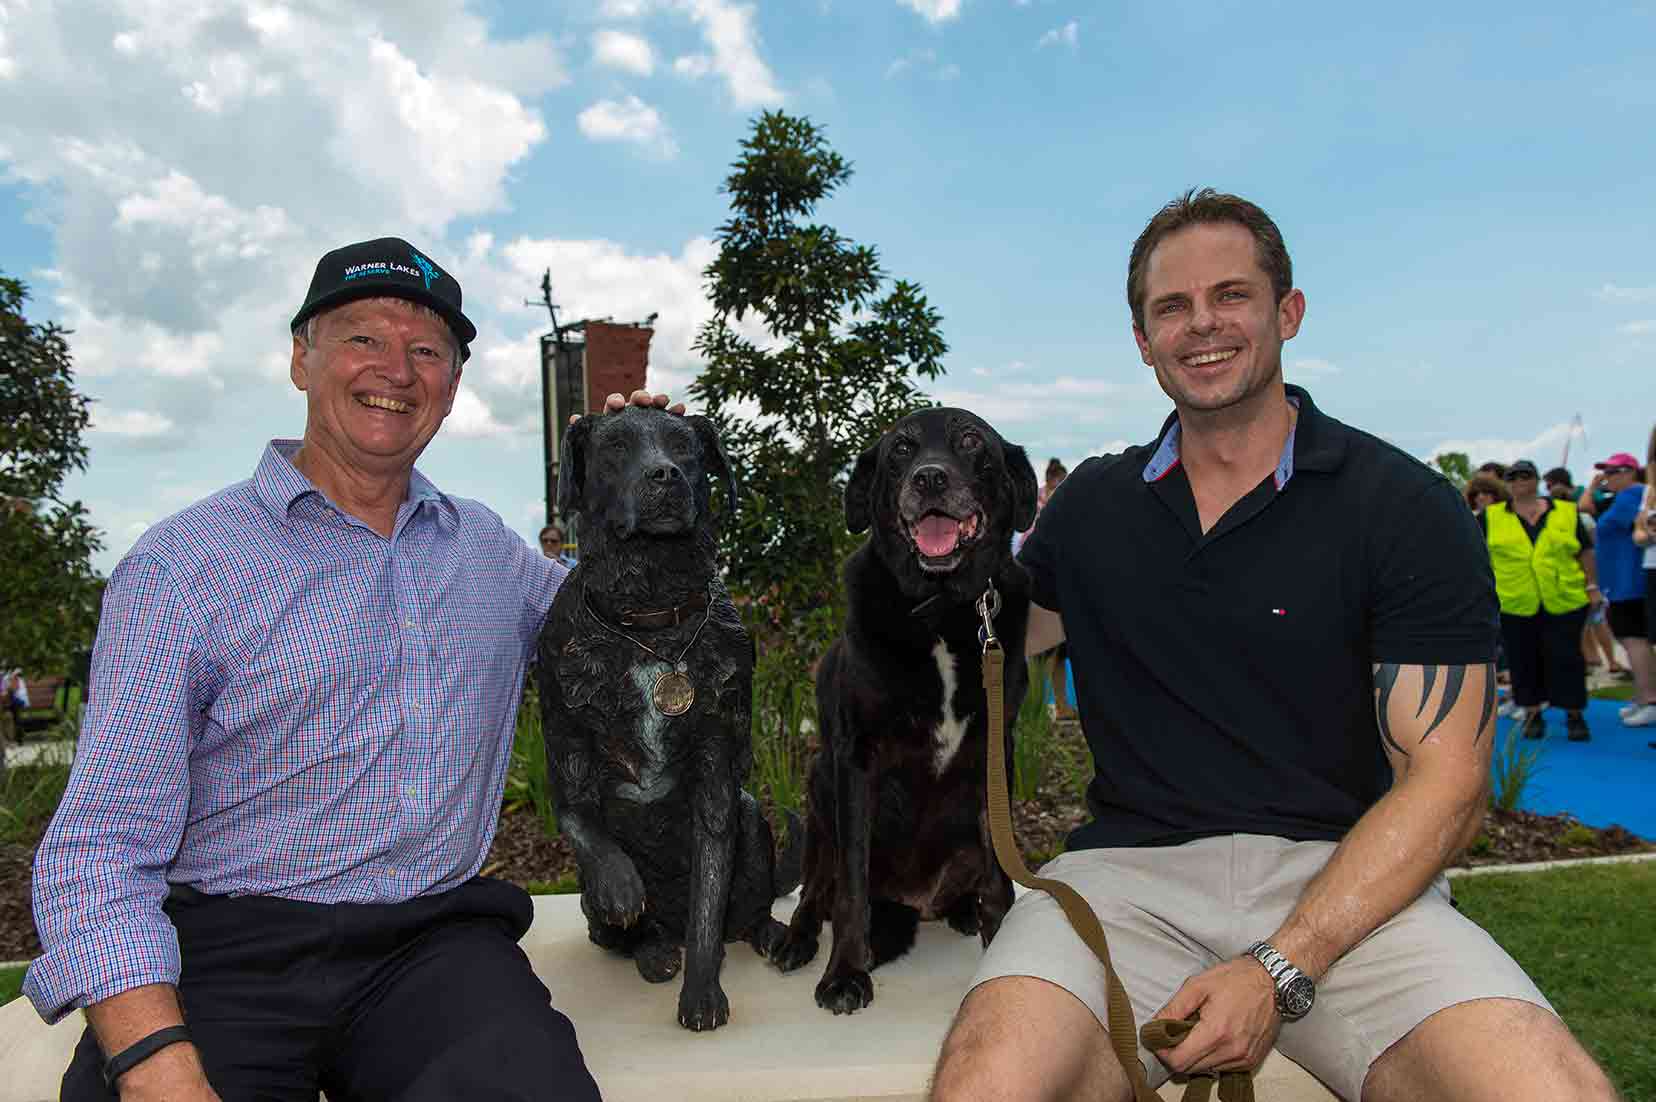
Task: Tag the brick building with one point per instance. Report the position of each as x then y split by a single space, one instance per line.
594 359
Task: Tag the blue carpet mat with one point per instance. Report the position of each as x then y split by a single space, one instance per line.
1608 781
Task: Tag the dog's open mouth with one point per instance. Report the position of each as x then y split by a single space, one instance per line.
940 540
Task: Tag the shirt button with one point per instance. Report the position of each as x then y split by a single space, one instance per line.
411 792
408 623
415 704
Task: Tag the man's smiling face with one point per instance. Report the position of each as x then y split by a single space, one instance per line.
1213 329
379 376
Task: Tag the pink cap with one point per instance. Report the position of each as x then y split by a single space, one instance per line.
1620 459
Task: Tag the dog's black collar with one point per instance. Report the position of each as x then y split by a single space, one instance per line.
665 617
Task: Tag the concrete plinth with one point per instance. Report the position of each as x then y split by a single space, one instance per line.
778 1047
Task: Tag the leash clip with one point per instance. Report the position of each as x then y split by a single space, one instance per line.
988 607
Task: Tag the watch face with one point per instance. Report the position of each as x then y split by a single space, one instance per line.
1295 999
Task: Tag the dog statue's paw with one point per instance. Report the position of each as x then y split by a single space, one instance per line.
768 937
795 950
963 918
703 1010
612 891
850 991
658 961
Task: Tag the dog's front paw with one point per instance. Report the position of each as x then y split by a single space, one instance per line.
963 917
612 891
658 961
846 992
705 1009
794 950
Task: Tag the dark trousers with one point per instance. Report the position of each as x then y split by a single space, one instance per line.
422 1001
1544 657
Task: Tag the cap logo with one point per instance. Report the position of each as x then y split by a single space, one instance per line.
427 268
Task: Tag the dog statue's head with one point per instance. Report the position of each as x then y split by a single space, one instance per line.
943 494
642 472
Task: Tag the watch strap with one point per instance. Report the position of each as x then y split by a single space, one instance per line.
136 1053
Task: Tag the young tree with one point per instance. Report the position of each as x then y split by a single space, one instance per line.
48 590
1456 467
796 409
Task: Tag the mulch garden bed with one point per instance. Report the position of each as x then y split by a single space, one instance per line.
523 853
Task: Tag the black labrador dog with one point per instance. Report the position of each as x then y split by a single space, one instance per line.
646 679
897 827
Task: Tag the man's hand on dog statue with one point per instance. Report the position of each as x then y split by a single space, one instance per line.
1239 1019
615 403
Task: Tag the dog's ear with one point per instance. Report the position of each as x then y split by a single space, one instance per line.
1021 477
859 492
715 459
572 465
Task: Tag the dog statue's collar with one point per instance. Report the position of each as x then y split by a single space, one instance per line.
665 617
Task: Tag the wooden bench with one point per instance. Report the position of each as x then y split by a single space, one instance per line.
48 704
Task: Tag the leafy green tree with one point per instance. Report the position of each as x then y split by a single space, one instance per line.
1456 467
842 350
49 592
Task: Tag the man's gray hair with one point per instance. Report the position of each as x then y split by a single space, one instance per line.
306 332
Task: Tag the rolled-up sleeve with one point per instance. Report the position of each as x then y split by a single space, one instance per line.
100 871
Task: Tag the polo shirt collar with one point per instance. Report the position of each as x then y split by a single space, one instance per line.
1310 444
279 484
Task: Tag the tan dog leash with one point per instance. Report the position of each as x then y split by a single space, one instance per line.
1234 1086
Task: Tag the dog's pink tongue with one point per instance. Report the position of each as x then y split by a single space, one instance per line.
937 535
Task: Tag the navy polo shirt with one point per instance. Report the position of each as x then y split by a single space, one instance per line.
1225 680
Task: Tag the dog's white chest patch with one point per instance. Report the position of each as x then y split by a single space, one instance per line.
950 728
655 780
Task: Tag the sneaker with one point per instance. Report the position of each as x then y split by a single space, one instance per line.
1644 716
1507 708
1577 727
1535 726
1628 709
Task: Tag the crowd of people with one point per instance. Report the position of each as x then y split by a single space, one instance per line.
1575 571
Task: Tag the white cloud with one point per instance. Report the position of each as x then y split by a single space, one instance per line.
470 418
1068 35
1112 447
1031 404
1311 369
934 11
909 60
131 422
629 120
1637 328
728 29
1610 292
1505 449
620 50
622 9
693 65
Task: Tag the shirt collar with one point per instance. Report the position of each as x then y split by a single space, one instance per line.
279 484
1310 444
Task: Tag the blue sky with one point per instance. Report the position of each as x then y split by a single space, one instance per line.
1467 192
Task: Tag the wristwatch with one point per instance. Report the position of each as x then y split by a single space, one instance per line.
1295 991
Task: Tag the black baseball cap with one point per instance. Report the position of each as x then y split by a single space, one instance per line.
1522 467
386 266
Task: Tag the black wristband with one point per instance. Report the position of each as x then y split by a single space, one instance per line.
130 1057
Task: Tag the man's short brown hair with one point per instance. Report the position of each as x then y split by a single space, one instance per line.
1206 207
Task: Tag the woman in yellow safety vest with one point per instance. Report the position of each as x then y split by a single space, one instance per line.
1547 580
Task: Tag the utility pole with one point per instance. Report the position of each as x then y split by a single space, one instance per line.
549 456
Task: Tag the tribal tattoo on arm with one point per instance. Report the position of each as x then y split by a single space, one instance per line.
1386 676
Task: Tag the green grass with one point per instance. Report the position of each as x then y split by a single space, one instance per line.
527 785
567 884
1032 744
29 794
11 983
1584 935
1620 690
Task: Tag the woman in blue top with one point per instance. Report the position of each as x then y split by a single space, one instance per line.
1621 573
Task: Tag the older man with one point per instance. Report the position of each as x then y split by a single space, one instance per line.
263 879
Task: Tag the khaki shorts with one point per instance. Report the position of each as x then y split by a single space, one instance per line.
1171 912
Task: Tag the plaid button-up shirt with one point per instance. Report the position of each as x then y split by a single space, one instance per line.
286 703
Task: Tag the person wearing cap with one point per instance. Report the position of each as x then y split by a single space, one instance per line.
1621 570
1546 579
263 878
1284 664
